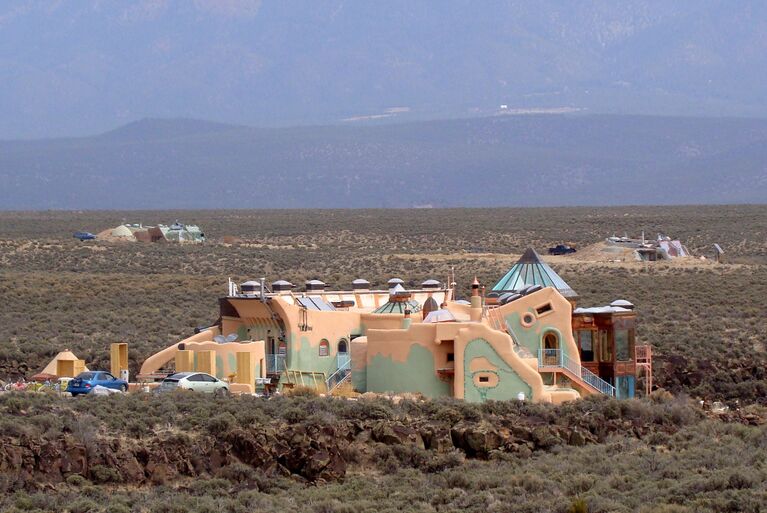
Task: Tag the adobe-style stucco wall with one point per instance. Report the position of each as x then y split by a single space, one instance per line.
503 382
558 321
409 361
406 360
502 346
360 364
226 354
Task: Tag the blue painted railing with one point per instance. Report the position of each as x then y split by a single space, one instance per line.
341 374
556 358
275 363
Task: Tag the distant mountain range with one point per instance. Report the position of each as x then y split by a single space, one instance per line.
81 67
527 160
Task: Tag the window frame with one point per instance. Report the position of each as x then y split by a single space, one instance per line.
605 349
592 342
628 345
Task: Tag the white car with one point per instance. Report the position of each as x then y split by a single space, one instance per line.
196 381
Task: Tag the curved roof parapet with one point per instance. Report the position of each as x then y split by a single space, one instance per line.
531 271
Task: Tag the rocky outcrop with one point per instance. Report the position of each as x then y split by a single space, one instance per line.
311 452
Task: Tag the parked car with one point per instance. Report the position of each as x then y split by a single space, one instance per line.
195 381
561 249
84 382
84 236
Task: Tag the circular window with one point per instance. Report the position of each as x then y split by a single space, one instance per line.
528 319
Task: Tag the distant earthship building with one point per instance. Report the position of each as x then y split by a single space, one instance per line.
176 232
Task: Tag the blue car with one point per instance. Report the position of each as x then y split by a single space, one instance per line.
87 381
84 236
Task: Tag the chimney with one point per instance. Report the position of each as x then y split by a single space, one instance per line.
476 302
406 321
475 287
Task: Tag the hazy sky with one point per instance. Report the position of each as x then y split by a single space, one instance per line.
86 66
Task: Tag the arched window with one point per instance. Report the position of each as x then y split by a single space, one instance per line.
343 346
551 341
551 349
324 347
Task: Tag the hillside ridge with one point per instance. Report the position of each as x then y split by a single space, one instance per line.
527 160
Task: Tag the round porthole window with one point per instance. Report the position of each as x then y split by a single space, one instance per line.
528 319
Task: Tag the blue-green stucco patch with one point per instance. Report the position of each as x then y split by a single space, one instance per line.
360 379
416 374
219 366
510 384
232 362
531 337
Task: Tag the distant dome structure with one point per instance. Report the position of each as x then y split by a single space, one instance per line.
431 284
395 281
622 303
123 231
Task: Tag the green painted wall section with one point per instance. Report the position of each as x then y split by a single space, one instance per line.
360 380
305 357
417 374
532 337
220 366
509 382
256 333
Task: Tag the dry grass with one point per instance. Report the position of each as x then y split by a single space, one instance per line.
705 321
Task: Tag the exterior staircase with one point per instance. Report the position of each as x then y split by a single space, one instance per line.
341 379
557 361
344 389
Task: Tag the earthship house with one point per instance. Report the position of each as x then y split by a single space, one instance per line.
525 342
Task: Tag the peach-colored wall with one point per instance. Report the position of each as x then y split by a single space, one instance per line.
559 318
226 354
397 345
